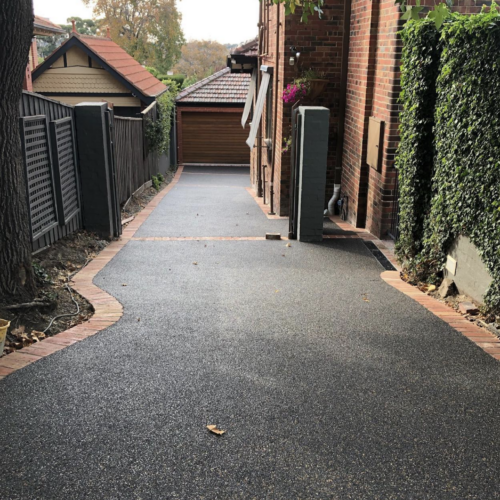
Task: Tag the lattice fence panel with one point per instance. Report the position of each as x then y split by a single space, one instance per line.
65 167
39 175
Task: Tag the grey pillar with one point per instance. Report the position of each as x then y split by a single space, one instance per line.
312 172
95 170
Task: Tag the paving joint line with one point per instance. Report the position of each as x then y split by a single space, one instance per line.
264 208
107 309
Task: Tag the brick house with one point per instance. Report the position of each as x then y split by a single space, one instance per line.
95 69
356 47
41 27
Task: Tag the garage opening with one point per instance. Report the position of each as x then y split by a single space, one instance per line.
214 136
209 115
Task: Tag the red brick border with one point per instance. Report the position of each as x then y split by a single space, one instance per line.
386 247
202 238
264 208
107 309
483 338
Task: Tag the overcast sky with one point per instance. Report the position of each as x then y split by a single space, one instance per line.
226 21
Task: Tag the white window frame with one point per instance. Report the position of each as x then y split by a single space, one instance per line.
249 101
259 106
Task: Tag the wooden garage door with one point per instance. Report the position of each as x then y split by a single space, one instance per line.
213 137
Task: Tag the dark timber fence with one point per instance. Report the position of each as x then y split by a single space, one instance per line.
135 162
48 142
53 177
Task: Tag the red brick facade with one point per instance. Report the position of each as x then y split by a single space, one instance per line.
373 87
320 45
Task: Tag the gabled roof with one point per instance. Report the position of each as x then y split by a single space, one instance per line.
46 25
112 58
250 49
221 87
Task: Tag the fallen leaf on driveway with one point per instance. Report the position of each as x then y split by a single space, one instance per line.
213 429
195 263
288 244
124 284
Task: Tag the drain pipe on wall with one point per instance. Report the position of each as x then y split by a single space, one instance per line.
342 107
259 132
275 120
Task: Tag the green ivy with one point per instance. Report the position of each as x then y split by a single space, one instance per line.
466 184
465 188
419 69
158 132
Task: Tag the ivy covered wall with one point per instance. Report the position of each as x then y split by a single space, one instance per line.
451 96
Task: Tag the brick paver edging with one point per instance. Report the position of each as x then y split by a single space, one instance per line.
481 337
264 208
107 310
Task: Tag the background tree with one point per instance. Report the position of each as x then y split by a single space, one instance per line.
47 44
200 59
16 273
149 30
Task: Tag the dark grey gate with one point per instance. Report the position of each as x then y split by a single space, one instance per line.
294 173
47 133
66 175
39 175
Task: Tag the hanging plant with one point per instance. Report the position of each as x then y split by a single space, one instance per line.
310 84
293 92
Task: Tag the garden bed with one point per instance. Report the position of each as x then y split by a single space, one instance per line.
57 307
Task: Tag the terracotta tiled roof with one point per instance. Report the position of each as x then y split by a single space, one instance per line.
125 65
47 25
250 49
221 87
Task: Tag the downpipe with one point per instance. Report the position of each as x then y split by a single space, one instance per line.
333 200
275 123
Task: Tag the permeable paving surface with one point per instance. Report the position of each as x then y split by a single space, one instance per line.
330 383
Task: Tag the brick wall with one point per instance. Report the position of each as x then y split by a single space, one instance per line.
373 90
373 87
320 45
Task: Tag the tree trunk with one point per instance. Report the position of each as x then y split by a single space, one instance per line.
16 273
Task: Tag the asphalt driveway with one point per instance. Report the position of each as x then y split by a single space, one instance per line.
323 394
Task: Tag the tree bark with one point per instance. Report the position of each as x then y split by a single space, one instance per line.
16 272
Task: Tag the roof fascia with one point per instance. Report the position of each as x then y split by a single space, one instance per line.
74 41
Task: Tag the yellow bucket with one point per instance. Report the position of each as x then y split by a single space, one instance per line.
4 326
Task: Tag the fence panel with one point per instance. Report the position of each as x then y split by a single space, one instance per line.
66 175
39 175
44 194
132 169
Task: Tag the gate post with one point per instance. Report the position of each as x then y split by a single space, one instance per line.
312 172
94 150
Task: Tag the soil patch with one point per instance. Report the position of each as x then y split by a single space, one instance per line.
488 321
57 307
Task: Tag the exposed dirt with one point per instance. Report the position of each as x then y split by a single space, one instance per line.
54 267
137 203
490 322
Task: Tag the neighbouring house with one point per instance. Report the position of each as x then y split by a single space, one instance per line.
95 69
355 46
41 27
209 127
